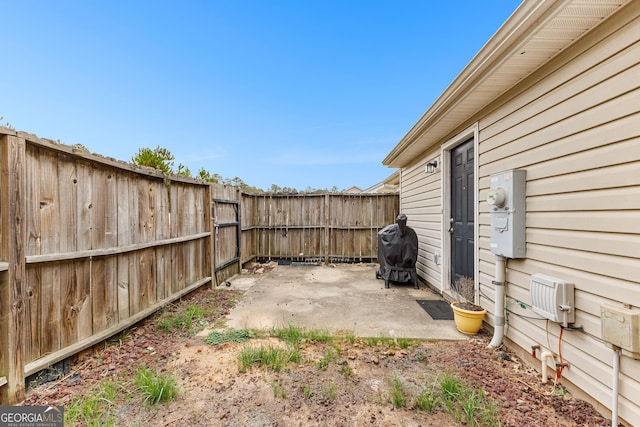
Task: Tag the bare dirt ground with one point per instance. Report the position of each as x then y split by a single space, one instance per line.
348 383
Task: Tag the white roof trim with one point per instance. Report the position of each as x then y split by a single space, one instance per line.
536 32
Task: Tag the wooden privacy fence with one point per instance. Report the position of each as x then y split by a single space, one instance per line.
88 247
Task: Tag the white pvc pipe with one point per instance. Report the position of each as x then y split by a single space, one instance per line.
499 320
543 357
616 374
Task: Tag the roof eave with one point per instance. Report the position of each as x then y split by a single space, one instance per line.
521 25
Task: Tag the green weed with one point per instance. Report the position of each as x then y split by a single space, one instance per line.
427 400
292 335
274 358
321 335
216 338
189 318
346 370
329 391
96 407
398 393
405 343
278 389
451 387
307 391
329 356
154 386
466 403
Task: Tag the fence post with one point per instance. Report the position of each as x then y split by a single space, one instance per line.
211 248
12 279
326 227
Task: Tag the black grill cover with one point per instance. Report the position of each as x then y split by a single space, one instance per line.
397 252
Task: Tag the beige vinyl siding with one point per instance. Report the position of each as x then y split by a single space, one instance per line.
421 201
575 127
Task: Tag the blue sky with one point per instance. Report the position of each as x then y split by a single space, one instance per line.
288 92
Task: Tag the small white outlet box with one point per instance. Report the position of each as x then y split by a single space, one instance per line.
621 328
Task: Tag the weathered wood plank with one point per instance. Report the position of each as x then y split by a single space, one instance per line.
67 206
85 205
134 283
32 330
32 201
124 240
32 245
99 295
12 251
49 213
68 314
162 232
83 298
147 278
50 323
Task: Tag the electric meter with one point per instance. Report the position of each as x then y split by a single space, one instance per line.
506 197
497 197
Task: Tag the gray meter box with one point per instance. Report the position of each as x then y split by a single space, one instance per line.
506 199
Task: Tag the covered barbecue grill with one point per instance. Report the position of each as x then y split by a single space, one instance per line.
397 253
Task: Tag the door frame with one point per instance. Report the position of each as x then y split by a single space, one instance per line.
445 157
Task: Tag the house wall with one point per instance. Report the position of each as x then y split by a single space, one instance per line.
421 201
574 126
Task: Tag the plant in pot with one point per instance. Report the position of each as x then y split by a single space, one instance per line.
467 316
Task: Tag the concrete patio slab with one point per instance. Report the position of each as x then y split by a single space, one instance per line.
345 297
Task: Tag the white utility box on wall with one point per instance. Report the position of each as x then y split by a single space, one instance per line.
506 199
553 299
621 328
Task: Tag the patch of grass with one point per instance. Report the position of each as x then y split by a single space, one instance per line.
398 393
307 391
95 407
405 343
471 403
278 389
271 357
376 341
154 386
295 335
467 404
349 337
329 356
320 335
427 400
242 335
292 335
189 318
329 391
346 370
451 387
